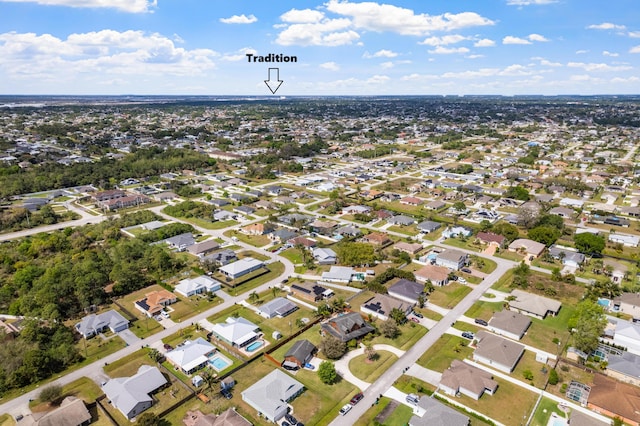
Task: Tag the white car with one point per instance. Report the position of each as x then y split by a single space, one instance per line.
344 410
164 314
462 280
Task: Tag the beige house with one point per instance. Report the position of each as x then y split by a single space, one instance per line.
468 380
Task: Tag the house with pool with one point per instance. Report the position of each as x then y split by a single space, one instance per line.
238 332
192 355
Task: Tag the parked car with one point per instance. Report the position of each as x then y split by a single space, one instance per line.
164 314
468 335
462 280
412 398
466 270
289 417
285 423
481 322
414 319
356 398
418 314
345 409
168 347
226 393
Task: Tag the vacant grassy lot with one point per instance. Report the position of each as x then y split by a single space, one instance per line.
449 295
129 365
528 362
369 371
484 310
254 240
445 350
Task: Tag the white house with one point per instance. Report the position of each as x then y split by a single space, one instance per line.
191 356
452 259
278 307
202 284
242 267
131 395
271 394
238 332
625 239
627 334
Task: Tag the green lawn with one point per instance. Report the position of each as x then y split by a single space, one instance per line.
440 355
252 280
254 240
128 366
466 244
407 230
7 420
293 254
369 371
542 332
400 416
543 412
187 307
449 295
528 362
410 333
484 310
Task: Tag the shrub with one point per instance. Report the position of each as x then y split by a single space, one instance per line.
553 377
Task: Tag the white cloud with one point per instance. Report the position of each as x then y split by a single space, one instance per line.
385 17
387 65
241 55
384 53
598 66
306 16
607 53
105 52
537 37
529 2
635 49
132 6
485 42
547 63
448 50
514 40
634 34
474 56
606 26
444 40
330 32
331 66
632 79
378 79
239 19
581 52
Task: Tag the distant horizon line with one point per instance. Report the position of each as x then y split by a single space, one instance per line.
320 96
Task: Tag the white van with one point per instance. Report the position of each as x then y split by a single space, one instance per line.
344 410
412 398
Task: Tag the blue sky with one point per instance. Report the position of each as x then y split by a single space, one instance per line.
344 47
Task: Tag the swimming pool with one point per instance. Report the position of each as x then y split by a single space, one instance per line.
219 362
254 346
604 303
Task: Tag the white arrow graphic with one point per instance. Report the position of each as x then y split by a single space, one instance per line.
274 85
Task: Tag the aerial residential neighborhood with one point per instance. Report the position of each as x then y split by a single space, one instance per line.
384 268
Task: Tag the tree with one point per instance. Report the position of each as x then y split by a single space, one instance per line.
253 297
332 347
398 316
324 310
553 377
459 206
528 215
544 234
155 355
370 352
587 325
389 329
589 243
507 230
355 254
209 378
148 419
327 373
50 393
517 192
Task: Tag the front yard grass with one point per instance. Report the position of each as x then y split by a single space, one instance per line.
445 350
484 310
294 255
410 333
254 240
369 371
543 412
528 362
449 295
129 365
542 333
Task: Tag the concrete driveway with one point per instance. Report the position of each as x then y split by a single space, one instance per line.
128 337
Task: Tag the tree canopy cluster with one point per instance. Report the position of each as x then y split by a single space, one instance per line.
355 254
17 218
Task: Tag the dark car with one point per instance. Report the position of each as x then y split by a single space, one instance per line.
357 398
466 270
288 417
168 347
468 335
226 393
481 322
418 314
285 423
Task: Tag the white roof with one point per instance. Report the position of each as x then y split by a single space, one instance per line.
241 265
340 273
188 285
191 354
235 330
270 394
126 392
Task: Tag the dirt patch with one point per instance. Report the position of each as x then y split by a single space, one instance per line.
386 411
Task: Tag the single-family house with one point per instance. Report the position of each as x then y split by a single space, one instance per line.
381 305
259 228
438 275
428 226
93 324
244 210
306 243
202 284
410 248
311 291
377 238
510 324
356 209
411 201
270 395
452 259
454 231
191 356
627 303
220 258
349 231
71 412
499 353
242 267
342 274
324 227
238 332
407 290
627 335
324 256
180 242
529 247
431 412
401 220
222 215
490 238
563 212
155 301
463 378
624 367
278 307
204 248
282 235
435 205
347 326
132 395
534 305
299 354
569 257
615 399
624 239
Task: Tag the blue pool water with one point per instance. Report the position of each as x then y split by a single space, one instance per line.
219 363
559 422
604 303
254 346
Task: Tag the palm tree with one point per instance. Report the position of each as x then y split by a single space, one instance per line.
155 355
253 297
209 378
